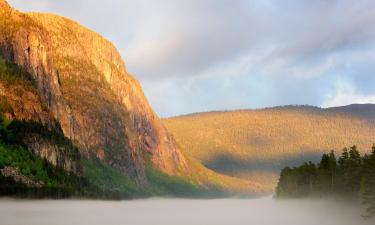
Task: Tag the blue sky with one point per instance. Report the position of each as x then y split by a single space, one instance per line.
218 55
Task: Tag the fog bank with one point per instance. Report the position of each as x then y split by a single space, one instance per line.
262 211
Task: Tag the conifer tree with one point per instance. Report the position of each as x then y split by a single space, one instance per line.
350 176
368 183
326 173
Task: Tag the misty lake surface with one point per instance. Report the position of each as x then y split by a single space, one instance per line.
260 211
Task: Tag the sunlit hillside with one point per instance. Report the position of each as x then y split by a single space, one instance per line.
250 143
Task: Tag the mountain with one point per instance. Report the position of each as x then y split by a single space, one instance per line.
257 144
65 89
84 85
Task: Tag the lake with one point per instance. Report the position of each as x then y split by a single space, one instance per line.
260 211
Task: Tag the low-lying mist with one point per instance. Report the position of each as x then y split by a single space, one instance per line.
261 211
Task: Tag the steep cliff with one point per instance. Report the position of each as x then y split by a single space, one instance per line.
70 80
21 105
83 84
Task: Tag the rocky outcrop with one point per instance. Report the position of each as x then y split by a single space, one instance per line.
83 82
21 103
58 155
14 173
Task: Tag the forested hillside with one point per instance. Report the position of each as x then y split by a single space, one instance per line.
257 144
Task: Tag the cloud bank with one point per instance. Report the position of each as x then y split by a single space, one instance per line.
211 55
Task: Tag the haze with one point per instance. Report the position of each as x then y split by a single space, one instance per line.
262 211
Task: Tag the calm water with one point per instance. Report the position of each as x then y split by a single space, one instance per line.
263 211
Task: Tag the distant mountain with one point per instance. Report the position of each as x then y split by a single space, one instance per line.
66 79
366 111
256 144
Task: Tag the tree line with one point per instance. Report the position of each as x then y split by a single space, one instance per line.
349 176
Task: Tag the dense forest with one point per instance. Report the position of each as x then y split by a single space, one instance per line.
350 176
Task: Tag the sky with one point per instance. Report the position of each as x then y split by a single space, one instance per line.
194 55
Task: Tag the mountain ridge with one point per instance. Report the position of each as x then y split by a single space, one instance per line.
246 143
297 107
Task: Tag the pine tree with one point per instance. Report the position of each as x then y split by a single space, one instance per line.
368 183
349 172
287 186
333 168
344 157
354 171
326 173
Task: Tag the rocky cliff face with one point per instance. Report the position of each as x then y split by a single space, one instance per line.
83 83
21 103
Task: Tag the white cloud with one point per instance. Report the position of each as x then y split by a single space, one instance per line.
346 94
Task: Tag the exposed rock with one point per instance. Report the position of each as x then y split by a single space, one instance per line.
83 81
14 173
19 100
57 155
25 104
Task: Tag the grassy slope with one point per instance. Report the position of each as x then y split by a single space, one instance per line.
201 183
109 179
256 144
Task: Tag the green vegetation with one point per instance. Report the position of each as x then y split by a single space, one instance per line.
47 179
16 132
54 182
163 184
367 191
29 164
108 179
350 176
111 180
98 180
86 93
